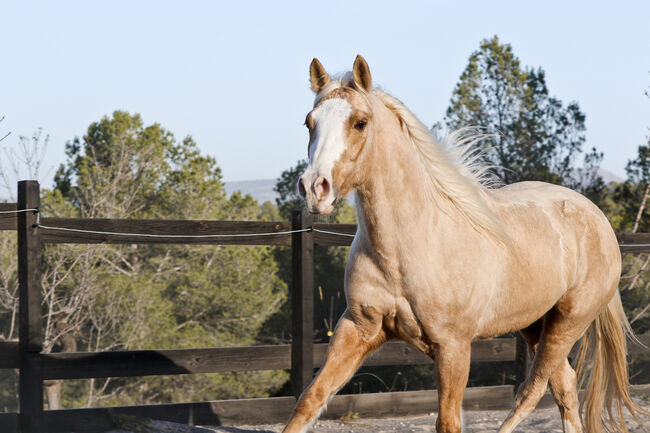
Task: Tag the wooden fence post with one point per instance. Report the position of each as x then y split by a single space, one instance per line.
522 360
29 310
302 303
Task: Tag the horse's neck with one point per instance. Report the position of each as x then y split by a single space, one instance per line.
394 205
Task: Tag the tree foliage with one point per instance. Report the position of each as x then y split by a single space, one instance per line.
107 297
533 136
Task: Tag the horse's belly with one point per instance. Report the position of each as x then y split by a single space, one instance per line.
517 309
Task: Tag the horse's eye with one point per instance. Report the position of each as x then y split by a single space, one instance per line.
360 125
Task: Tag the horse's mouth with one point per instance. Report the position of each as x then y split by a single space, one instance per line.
328 209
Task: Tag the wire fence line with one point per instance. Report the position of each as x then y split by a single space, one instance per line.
149 235
17 211
232 235
176 236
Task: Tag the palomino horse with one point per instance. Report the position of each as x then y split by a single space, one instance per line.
440 260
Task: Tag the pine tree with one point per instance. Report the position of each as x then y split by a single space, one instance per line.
534 136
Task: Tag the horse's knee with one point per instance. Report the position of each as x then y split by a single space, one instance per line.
449 424
532 389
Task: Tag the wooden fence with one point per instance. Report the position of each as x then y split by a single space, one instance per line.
301 357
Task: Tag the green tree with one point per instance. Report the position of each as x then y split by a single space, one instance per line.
533 135
107 297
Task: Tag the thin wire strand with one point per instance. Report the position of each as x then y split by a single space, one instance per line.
149 235
234 235
333 233
17 211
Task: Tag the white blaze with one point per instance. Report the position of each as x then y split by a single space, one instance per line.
328 145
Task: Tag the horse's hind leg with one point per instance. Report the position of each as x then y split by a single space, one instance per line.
345 354
564 389
563 383
560 331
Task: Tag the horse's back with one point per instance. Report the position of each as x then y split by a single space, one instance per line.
562 241
564 208
542 193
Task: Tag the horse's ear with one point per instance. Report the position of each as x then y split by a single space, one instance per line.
318 76
361 73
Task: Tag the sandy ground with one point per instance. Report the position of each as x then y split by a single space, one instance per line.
540 421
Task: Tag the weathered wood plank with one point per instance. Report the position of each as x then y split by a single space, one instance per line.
635 248
80 365
407 403
633 238
522 359
162 228
633 242
488 397
401 353
497 349
29 264
248 358
8 221
9 423
9 355
30 382
302 303
270 410
224 412
334 239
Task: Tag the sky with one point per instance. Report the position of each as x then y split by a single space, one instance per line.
234 75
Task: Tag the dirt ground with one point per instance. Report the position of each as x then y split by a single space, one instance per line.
540 421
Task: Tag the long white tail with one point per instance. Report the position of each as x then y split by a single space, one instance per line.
604 348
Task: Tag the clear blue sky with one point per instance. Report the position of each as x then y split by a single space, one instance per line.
234 74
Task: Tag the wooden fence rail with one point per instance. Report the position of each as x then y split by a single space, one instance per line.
128 363
301 357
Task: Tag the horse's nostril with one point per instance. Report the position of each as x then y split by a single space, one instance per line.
326 187
321 187
301 188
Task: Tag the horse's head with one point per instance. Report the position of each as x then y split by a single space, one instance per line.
340 126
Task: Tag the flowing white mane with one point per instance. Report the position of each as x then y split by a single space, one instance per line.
454 167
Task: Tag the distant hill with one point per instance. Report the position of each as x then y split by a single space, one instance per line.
262 189
608 176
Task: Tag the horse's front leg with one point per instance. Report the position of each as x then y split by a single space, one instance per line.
345 353
452 366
